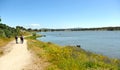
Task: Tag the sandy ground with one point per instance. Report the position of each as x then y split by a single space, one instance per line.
16 57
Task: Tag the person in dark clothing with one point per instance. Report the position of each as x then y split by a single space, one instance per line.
22 39
16 39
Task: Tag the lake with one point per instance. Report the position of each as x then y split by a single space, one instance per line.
101 42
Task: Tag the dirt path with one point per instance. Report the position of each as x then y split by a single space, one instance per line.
16 58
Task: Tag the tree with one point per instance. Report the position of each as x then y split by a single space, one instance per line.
6 31
29 29
17 30
2 33
21 28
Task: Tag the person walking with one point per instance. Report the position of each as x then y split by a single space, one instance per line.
16 39
22 39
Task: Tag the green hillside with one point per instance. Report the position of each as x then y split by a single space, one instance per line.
6 31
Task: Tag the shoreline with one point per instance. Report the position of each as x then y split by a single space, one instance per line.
83 49
62 57
100 53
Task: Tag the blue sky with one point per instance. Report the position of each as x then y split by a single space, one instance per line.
60 13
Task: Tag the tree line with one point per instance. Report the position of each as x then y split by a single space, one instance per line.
7 31
77 29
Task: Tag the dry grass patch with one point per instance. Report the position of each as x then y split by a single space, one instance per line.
3 42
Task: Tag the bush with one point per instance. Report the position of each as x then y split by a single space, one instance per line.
34 34
6 31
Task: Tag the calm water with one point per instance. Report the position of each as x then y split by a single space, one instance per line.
102 42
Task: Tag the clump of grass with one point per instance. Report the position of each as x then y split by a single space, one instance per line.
1 52
34 36
71 58
4 41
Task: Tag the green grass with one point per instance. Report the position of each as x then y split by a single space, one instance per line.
71 58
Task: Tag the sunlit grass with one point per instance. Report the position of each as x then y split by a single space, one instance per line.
3 42
71 58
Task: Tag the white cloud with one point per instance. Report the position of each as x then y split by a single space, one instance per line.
35 25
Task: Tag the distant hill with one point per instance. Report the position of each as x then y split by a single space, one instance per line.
79 29
96 29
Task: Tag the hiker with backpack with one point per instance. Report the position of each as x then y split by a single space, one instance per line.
22 39
16 39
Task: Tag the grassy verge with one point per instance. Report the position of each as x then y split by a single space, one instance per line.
71 58
3 42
